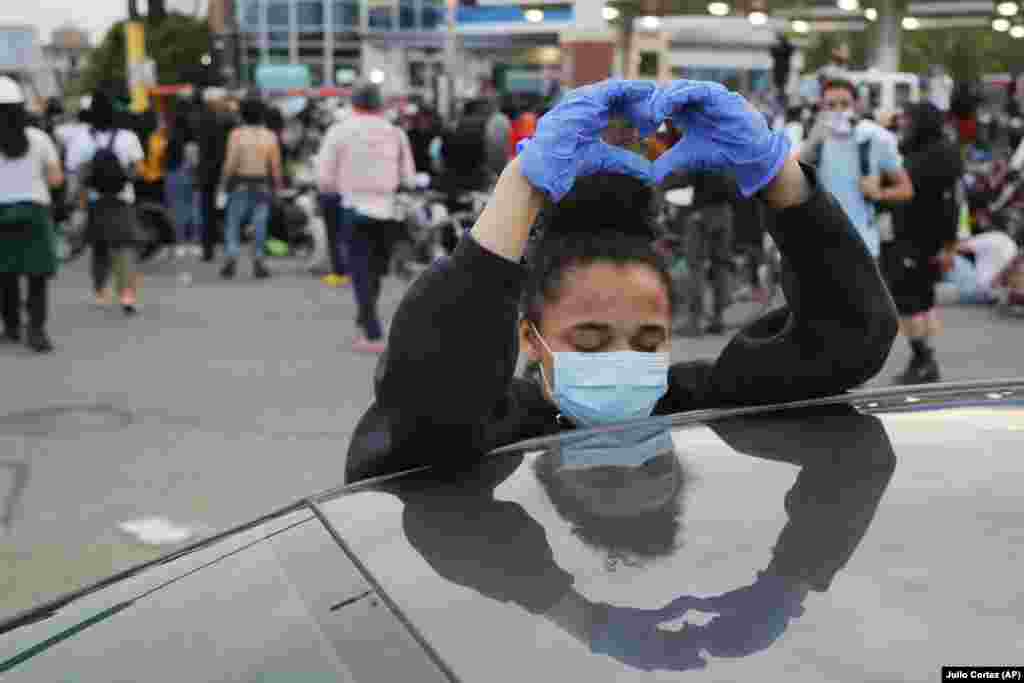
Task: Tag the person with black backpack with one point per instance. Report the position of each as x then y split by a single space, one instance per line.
106 159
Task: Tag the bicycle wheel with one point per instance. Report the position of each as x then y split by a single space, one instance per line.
70 243
754 286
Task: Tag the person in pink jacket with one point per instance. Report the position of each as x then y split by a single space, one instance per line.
366 160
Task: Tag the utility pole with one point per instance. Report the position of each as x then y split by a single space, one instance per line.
890 34
135 57
450 60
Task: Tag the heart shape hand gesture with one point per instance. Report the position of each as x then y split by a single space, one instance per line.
722 132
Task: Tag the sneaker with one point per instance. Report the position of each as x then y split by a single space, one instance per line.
180 252
928 373
920 372
129 303
228 271
364 345
335 280
39 341
195 251
11 334
260 271
104 298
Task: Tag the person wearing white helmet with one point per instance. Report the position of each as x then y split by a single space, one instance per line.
29 167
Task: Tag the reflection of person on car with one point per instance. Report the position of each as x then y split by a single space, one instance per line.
596 297
623 499
496 548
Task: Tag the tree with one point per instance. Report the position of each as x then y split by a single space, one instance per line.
176 43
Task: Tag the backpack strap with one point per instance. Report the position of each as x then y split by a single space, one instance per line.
816 151
864 149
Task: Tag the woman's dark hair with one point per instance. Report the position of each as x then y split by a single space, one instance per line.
925 124
630 540
605 218
101 111
253 111
13 138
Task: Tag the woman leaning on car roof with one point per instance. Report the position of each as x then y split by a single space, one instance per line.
589 301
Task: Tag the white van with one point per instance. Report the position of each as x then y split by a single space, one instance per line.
880 91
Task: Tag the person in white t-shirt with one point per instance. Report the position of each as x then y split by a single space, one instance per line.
29 167
975 283
112 248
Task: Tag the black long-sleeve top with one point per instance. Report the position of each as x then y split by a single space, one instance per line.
446 385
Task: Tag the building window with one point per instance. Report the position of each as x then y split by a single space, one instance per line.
252 14
382 17
311 14
407 15
277 14
432 14
346 14
648 64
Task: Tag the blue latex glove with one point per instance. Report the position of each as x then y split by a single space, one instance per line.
721 132
750 619
568 142
632 636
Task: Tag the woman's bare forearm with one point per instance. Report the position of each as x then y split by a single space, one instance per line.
504 226
789 188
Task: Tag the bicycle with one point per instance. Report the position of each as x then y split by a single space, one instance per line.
432 232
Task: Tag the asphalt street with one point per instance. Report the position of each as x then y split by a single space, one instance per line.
220 402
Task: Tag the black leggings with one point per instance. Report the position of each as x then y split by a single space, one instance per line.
37 302
110 259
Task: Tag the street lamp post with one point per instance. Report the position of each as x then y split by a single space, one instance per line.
890 33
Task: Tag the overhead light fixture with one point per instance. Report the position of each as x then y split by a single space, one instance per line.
800 26
911 23
871 14
534 15
1017 32
718 9
1007 9
610 13
849 5
1001 25
758 18
650 23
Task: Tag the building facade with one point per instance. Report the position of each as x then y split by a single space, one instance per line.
511 46
68 54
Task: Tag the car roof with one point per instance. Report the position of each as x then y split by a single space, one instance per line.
901 491
603 557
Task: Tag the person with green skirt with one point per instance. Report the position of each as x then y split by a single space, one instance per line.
29 168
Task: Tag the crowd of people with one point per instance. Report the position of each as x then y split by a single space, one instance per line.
216 163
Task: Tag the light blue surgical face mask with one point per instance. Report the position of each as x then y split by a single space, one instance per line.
605 388
620 449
